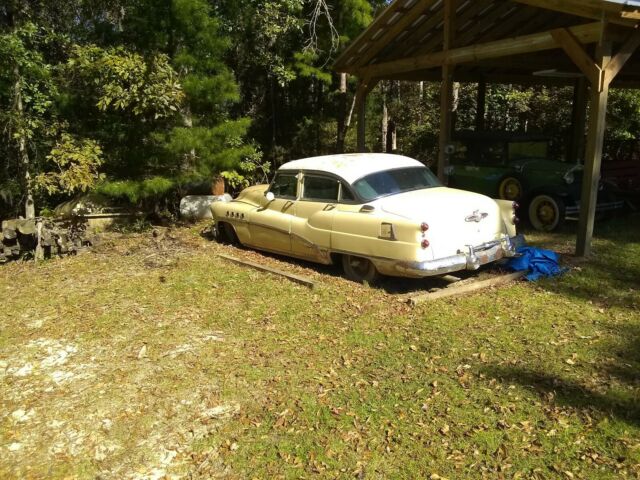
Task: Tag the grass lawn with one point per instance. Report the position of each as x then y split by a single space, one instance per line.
153 358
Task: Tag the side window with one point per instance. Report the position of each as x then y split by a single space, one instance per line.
460 154
345 194
322 189
284 185
493 154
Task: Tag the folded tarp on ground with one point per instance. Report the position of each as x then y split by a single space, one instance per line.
538 262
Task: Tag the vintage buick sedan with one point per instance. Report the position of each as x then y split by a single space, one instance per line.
374 213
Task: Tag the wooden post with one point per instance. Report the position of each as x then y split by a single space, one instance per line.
362 109
342 114
593 157
575 153
446 91
481 105
364 87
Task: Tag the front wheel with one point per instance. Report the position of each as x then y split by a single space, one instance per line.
359 269
546 212
226 234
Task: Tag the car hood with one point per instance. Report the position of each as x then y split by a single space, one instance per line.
525 165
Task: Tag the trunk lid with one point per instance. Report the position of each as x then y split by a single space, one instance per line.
456 218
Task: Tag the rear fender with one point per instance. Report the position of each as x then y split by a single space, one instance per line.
371 235
507 213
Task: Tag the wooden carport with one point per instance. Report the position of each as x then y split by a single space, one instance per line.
590 44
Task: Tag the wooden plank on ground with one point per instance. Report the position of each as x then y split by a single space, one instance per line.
465 288
307 282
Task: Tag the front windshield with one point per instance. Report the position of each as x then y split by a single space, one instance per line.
390 182
520 150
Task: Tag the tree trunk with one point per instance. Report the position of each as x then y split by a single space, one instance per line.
385 123
454 108
342 114
272 94
392 145
29 208
189 159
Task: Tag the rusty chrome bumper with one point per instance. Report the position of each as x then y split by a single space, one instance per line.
472 258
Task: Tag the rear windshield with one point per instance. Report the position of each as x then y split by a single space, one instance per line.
390 182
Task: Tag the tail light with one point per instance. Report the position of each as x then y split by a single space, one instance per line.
424 227
516 205
425 243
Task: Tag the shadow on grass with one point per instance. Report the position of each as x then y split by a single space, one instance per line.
569 393
622 369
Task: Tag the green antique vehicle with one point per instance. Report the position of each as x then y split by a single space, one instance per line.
525 169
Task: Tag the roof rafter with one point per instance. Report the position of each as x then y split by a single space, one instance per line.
615 13
588 33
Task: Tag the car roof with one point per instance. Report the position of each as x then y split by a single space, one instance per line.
499 135
352 166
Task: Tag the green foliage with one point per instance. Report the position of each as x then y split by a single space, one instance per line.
137 191
251 170
76 165
304 62
182 91
125 81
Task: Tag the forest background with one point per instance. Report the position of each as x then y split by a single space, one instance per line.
146 100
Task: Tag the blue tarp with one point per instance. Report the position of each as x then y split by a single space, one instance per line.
538 262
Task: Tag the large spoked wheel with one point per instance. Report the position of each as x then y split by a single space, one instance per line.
510 188
546 212
359 269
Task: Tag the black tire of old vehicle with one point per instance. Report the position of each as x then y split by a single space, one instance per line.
510 188
359 269
226 234
546 212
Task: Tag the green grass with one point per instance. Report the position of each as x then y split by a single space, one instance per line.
527 381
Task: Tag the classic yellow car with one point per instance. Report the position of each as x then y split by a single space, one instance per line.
374 213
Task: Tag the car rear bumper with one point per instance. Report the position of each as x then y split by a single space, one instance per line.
471 259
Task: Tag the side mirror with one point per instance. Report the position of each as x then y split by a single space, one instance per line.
269 196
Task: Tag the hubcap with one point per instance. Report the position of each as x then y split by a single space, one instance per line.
359 265
546 213
511 190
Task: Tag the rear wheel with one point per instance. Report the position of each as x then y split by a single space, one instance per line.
546 212
359 269
510 188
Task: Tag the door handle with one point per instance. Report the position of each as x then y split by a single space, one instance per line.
329 206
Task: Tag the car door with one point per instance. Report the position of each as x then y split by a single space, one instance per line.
270 226
312 223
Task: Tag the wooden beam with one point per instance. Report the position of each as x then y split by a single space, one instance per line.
460 75
573 48
593 9
463 16
307 282
466 288
342 63
446 92
364 87
615 65
593 157
394 30
587 33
